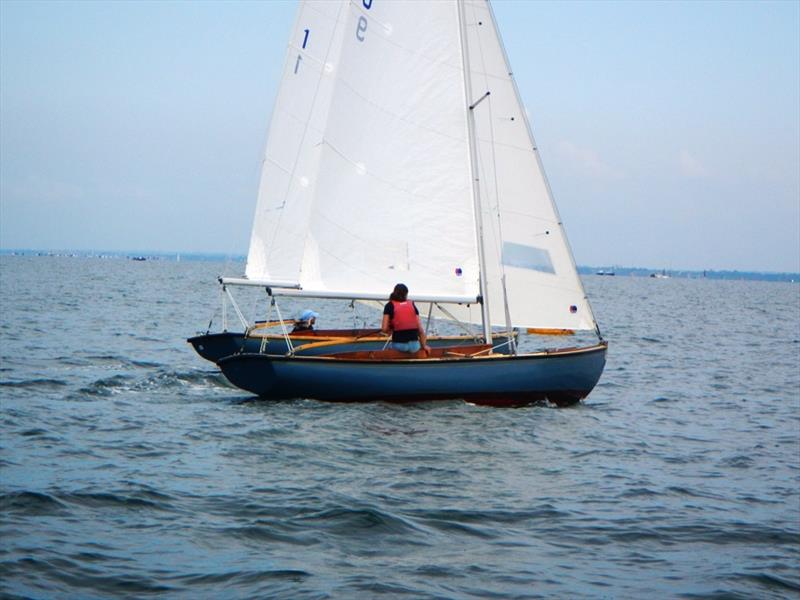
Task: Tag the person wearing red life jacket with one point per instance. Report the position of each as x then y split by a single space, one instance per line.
401 318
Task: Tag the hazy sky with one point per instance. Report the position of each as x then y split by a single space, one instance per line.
670 131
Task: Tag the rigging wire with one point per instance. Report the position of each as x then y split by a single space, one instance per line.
220 299
265 337
283 327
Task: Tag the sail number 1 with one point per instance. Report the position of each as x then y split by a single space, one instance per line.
299 56
361 30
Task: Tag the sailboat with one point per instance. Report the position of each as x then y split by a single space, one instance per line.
399 151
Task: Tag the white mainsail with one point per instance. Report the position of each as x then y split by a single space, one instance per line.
378 192
366 177
393 183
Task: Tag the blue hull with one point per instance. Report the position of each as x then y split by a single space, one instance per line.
214 346
562 377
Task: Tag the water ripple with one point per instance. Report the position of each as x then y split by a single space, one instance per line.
43 384
26 503
131 468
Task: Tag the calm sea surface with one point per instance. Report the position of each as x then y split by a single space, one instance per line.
130 468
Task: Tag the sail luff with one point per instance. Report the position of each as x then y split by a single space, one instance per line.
474 175
291 155
308 254
253 256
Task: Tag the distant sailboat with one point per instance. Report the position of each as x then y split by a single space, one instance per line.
399 150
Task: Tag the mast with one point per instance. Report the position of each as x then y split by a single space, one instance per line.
473 165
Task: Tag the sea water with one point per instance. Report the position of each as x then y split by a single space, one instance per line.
131 468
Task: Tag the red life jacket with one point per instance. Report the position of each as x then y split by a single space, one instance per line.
405 317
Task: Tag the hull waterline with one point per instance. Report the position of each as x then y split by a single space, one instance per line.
562 377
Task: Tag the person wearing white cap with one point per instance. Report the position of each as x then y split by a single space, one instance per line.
305 322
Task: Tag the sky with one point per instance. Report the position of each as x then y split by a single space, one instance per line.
669 131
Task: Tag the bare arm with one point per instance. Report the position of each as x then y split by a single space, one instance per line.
385 326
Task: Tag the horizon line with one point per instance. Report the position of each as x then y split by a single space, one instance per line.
230 256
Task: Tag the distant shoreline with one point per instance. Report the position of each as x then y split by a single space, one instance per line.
720 274
130 255
730 275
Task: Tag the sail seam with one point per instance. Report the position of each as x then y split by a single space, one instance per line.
378 178
350 266
414 53
367 243
527 150
347 84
